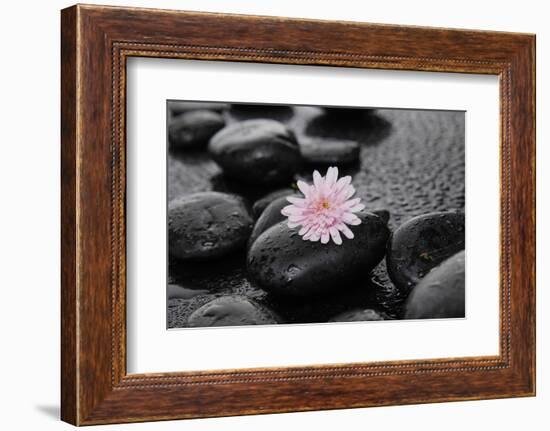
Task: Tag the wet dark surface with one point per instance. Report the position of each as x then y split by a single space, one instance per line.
440 294
411 163
282 263
422 243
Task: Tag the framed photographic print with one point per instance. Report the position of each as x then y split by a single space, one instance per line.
263 215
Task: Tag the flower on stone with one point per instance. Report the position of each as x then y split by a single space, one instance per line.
326 209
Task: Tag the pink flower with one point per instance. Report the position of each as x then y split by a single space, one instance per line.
326 208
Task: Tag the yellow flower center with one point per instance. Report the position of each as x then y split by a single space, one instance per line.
325 204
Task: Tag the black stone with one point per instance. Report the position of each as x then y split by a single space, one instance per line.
441 294
193 129
231 311
270 216
177 107
282 263
383 214
207 225
261 204
360 315
359 125
243 111
421 244
258 152
342 111
179 292
329 151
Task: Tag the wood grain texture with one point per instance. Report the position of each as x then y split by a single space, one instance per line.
69 397
96 41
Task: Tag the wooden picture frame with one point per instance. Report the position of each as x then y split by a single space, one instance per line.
95 43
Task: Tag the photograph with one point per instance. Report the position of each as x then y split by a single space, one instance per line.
297 214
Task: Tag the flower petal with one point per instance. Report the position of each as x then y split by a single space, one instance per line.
315 237
335 235
344 194
317 180
357 208
331 176
346 231
290 210
297 218
325 237
349 192
342 183
296 200
304 187
308 234
350 218
351 203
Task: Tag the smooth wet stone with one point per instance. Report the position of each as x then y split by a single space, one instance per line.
231 311
441 294
421 244
347 112
360 315
383 214
269 217
282 263
194 129
207 225
329 151
178 292
258 152
243 111
360 126
177 107
261 204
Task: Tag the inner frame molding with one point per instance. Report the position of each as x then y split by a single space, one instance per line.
121 53
96 42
